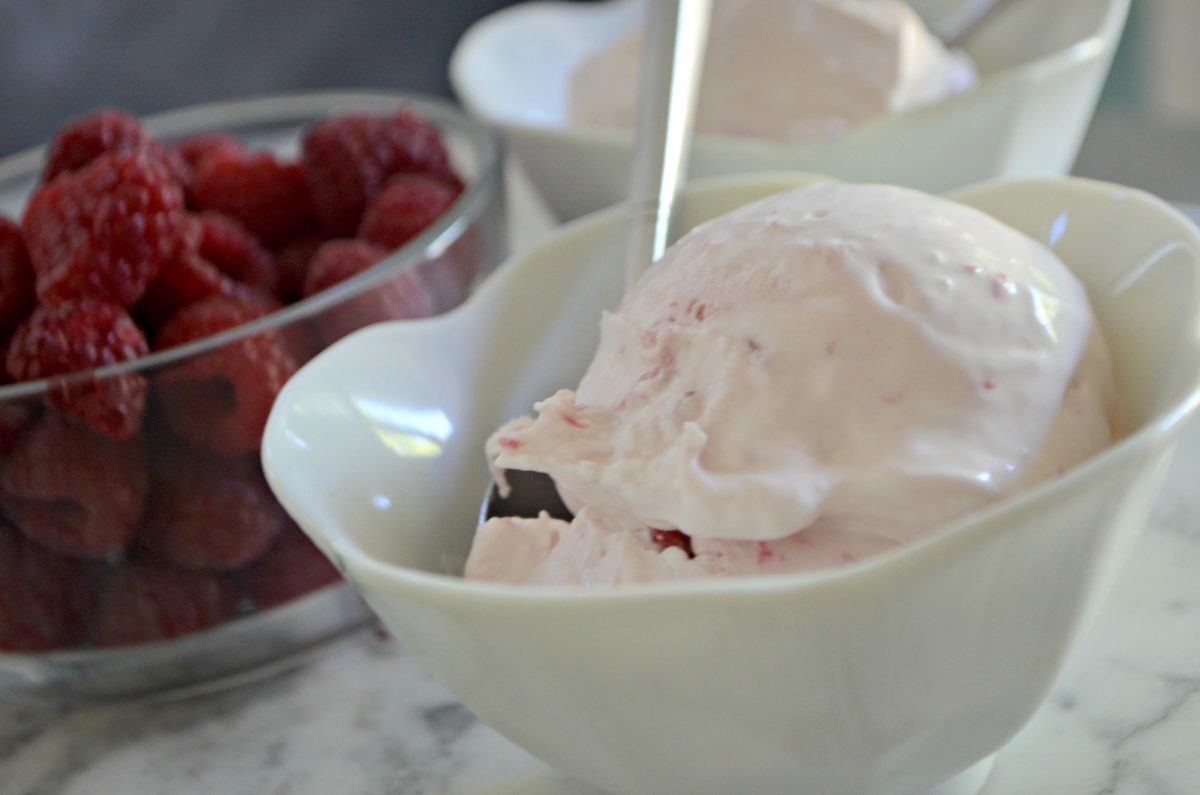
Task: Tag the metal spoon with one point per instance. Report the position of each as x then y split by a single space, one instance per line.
672 57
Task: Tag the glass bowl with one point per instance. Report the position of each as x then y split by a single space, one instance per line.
188 406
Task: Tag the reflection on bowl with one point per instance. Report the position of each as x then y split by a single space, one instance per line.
1042 67
192 463
886 677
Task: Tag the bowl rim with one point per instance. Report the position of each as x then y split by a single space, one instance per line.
1100 43
79 655
471 204
454 589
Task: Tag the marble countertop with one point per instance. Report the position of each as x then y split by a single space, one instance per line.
365 719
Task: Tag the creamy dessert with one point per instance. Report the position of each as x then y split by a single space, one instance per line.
788 69
811 379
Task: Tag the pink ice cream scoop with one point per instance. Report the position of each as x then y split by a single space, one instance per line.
788 69
811 379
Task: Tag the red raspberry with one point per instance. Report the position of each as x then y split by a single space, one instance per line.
74 491
104 231
81 335
196 148
664 539
292 261
405 208
219 401
189 152
145 602
338 260
226 243
209 513
401 296
269 197
292 568
194 275
86 138
16 277
44 599
347 160
15 416
184 280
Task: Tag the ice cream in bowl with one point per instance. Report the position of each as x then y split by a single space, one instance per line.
966 404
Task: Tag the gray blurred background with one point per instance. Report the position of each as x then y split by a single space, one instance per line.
60 58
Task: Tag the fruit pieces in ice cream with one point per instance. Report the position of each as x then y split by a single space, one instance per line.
808 380
833 64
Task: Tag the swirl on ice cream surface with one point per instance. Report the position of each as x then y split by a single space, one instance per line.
809 380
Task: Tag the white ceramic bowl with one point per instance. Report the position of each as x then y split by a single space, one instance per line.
1042 65
888 677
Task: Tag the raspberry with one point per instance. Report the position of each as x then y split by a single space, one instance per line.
104 231
292 259
664 539
219 401
347 160
401 296
270 198
338 260
181 525
196 148
16 277
77 336
213 243
15 416
211 316
405 207
44 599
72 490
145 602
226 243
83 140
292 568
184 280
189 153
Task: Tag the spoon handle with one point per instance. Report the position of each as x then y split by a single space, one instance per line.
672 58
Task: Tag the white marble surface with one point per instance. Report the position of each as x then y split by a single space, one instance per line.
365 719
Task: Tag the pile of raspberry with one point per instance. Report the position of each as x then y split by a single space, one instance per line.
132 504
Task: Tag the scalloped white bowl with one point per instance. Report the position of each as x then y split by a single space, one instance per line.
1042 65
889 677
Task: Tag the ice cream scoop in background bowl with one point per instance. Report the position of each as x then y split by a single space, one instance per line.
253 617
898 675
1041 68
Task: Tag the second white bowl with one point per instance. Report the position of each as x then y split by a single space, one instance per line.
1042 66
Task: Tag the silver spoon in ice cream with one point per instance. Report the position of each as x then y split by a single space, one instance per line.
667 95
668 88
